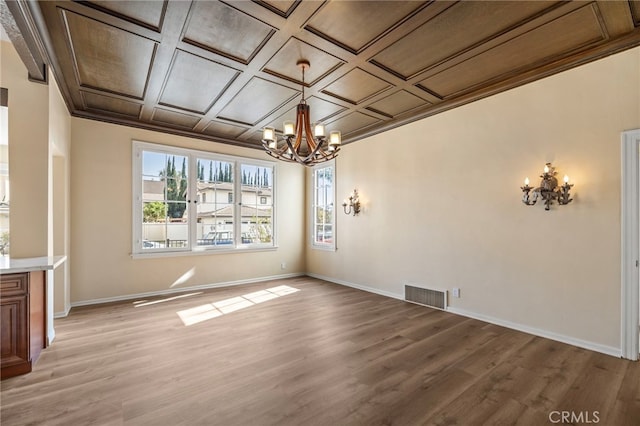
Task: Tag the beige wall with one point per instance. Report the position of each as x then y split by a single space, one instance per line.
60 142
102 266
29 157
442 204
39 129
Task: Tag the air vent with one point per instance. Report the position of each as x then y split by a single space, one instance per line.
425 296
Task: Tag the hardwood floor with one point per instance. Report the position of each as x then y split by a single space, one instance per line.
308 352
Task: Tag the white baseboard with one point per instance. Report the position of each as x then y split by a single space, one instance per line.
358 286
181 290
596 347
51 337
63 313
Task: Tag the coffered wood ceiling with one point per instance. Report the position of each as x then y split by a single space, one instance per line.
224 70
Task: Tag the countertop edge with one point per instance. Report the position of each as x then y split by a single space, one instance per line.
31 264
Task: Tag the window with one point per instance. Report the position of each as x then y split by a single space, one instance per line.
4 172
183 201
323 220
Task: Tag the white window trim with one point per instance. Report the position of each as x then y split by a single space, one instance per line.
314 244
136 230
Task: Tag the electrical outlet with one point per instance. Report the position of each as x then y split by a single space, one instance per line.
283 265
456 292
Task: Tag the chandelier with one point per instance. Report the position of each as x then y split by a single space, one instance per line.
300 144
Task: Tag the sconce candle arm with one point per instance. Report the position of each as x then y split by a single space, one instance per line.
353 204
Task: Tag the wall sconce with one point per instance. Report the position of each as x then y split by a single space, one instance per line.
548 189
353 203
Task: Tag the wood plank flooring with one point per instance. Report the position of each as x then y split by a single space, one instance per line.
306 352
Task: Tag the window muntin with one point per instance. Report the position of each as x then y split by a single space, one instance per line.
184 201
323 213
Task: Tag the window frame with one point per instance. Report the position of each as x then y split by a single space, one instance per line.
312 222
192 248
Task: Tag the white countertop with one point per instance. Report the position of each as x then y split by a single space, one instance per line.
29 264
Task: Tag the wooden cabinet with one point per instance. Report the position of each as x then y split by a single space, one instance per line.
22 321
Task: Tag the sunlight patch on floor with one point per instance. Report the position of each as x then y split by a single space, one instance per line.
140 303
209 311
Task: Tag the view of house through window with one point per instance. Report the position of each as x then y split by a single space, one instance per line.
214 206
256 217
193 200
164 200
323 206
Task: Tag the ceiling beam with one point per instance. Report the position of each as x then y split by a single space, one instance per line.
16 19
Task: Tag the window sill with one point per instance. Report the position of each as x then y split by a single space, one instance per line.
323 248
159 254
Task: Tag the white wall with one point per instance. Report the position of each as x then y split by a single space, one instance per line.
102 266
442 204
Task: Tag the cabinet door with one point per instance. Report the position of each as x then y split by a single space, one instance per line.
14 347
14 284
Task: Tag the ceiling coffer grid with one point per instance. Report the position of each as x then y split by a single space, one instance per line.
224 70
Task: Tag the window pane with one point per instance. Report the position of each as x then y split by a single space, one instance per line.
4 180
178 232
186 199
154 230
153 164
215 203
323 205
164 194
257 204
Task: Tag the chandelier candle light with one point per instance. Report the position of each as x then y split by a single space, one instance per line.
300 144
548 189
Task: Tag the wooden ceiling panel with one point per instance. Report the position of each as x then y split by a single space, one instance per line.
352 122
108 58
110 105
173 118
354 25
255 138
216 128
617 17
194 83
221 29
356 86
281 7
222 70
397 103
319 109
540 45
635 11
450 33
146 13
255 101
322 63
